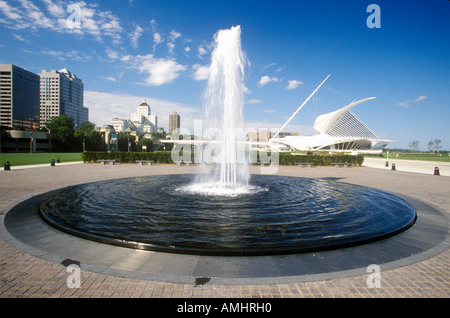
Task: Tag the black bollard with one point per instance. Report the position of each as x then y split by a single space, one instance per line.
52 163
58 160
393 166
7 166
436 171
386 164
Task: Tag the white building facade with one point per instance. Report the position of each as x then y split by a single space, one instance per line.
142 121
62 93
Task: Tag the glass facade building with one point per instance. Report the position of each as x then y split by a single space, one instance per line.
19 97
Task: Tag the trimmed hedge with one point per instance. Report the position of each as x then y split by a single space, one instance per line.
125 157
165 157
320 160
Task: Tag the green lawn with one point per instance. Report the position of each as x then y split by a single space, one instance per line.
412 156
21 159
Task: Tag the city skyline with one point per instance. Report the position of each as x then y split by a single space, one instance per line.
126 51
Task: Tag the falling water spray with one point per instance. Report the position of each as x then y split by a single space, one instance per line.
224 120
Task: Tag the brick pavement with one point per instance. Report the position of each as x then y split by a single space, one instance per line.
23 275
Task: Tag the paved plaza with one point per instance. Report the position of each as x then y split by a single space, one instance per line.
416 166
26 271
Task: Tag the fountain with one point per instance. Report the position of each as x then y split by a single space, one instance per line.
224 99
222 211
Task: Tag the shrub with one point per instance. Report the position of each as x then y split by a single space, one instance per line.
320 160
125 157
166 157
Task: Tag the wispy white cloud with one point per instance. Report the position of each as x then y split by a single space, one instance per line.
112 54
157 37
35 16
174 35
108 78
201 51
112 78
126 58
200 72
267 79
405 103
11 13
160 70
69 55
19 37
420 98
135 35
93 21
55 9
409 102
254 101
270 65
171 43
293 84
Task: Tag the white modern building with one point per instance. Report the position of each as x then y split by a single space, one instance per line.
142 121
62 93
340 130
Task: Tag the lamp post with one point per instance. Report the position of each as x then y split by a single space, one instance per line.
31 142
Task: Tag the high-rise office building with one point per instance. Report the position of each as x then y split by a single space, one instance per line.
62 94
19 97
174 122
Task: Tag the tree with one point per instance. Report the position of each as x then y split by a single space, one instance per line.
437 145
430 145
88 138
434 145
414 145
62 129
123 139
147 142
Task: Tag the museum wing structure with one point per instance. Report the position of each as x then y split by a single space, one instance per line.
340 130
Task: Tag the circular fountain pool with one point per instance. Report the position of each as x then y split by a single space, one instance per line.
276 215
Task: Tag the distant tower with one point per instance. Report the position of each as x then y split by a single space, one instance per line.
174 122
144 109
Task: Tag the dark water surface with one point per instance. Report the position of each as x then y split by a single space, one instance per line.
278 215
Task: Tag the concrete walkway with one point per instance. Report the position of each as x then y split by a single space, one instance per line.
416 166
24 275
45 165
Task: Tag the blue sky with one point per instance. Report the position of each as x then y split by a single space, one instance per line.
128 50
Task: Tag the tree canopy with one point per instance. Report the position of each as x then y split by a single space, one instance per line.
62 129
67 138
